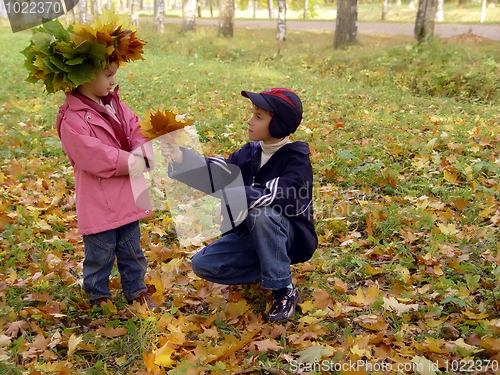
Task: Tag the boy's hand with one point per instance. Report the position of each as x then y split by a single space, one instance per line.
138 167
218 215
173 152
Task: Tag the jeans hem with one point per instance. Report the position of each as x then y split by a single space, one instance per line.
275 284
135 294
93 298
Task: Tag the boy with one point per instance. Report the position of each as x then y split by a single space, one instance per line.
278 230
101 137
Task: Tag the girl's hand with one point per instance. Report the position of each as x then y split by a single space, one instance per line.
138 167
172 152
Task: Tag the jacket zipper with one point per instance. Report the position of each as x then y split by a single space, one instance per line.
255 170
103 193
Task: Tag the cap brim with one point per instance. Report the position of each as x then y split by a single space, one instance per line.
258 100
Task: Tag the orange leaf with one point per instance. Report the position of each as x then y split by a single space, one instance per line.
322 299
112 332
149 362
15 327
264 346
340 285
160 123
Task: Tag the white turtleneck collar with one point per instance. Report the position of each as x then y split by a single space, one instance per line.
268 149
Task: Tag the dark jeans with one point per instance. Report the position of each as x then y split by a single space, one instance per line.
100 251
261 253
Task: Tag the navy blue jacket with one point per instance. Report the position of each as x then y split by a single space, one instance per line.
285 183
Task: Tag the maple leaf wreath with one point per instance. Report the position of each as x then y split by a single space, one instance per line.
63 59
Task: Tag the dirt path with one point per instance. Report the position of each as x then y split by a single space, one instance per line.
441 30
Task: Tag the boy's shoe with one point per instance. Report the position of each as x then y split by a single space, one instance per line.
285 301
97 302
145 298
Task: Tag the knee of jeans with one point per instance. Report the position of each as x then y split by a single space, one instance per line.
262 216
197 264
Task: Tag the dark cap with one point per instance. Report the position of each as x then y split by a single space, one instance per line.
285 105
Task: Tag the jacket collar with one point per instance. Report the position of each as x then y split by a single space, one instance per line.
299 146
76 104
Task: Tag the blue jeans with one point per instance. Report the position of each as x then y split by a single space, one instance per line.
100 251
260 254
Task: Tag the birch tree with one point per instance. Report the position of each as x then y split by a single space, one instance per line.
346 28
440 11
134 12
158 13
281 28
188 15
82 12
306 6
424 24
270 8
70 16
483 12
3 10
385 8
94 7
226 18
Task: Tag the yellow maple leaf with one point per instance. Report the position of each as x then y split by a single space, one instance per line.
371 296
160 123
448 229
163 356
72 344
237 309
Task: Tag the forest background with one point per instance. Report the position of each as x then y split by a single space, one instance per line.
404 143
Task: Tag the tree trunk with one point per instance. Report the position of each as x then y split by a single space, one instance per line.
134 12
462 3
270 8
424 24
94 7
281 29
254 8
108 6
412 4
483 12
440 12
198 6
3 10
346 28
70 16
158 13
306 7
226 18
385 6
141 5
82 12
188 15
211 10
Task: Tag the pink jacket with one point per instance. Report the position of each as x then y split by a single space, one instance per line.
105 194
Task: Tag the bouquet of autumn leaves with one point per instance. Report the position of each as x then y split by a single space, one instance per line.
165 124
63 59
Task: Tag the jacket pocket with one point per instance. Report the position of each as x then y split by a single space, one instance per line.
103 193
